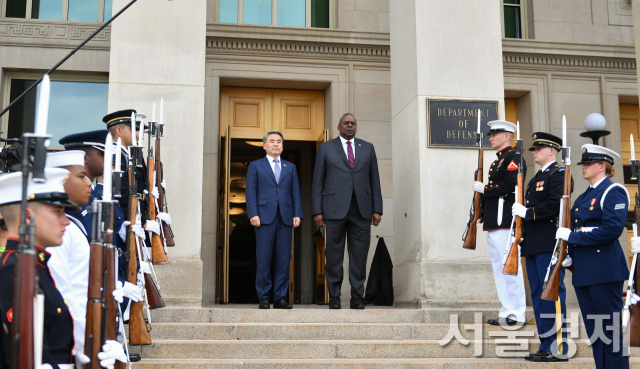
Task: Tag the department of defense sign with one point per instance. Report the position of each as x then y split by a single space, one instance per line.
454 123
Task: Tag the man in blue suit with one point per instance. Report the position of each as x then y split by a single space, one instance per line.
274 208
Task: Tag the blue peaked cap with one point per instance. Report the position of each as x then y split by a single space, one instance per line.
95 139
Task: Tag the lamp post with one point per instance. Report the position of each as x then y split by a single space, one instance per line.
595 123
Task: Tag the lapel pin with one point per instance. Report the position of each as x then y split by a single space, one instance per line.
284 165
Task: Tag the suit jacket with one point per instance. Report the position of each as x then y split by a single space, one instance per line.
542 199
264 195
503 179
334 181
597 255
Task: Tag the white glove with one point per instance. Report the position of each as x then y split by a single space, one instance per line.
163 184
118 293
478 187
155 193
132 291
111 351
145 192
144 268
563 233
152 226
568 262
137 229
635 245
519 210
634 299
123 230
45 366
165 217
81 358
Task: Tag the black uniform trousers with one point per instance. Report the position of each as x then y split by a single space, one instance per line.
603 299
357 231
545 310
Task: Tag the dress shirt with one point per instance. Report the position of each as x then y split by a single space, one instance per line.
547 165
597 183
344 146
273 165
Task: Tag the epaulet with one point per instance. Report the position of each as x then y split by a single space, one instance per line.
609 189
558 169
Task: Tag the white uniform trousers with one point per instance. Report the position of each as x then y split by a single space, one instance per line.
510 288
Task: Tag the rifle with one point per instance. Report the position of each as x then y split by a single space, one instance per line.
512 259
138 332
95 332
551 289
158 254
475 213
162 200
631 313
26 353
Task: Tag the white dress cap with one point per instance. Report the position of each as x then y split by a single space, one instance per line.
591 153
65 158
502 126
11 185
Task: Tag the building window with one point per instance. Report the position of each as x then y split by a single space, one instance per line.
75 106
65 10
513 12
292 13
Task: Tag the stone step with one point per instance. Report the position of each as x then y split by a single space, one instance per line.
301 315
354 349
579 363
321 331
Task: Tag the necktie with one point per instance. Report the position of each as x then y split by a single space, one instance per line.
276 170
350 156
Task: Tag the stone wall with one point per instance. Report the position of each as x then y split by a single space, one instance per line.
363 15
605 22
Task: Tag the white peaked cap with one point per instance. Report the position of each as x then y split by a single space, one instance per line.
65 158
50 191
591 153
502 126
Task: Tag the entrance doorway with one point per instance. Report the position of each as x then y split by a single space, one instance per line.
245 116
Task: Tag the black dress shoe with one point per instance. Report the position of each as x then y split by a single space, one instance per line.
281 304
530 356
356 304
134 358
264 304
547 357
334 302
507 321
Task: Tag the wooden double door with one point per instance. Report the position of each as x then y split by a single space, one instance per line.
246 115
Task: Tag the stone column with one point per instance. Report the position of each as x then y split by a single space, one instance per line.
158 51
440 49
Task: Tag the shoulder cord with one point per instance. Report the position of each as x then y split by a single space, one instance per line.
609 189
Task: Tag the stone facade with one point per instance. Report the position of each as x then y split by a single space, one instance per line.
378 62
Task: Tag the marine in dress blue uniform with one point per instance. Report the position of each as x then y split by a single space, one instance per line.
599 267
498 198
540 213
58 340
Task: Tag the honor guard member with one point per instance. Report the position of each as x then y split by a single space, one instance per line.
93 143
119 124
598 263
498 198
540 213
47 203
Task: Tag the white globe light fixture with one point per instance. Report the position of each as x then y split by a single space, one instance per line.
595 122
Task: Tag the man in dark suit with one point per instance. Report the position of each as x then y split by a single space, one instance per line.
274 208
346 198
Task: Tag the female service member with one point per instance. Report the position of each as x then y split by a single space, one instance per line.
599 268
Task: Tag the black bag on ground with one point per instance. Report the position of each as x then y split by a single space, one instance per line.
379 290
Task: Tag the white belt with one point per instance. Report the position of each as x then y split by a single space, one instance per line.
66 366
585 229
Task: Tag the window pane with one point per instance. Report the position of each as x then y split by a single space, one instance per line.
511 1
257 12
229 11
108 9
291 13
84 10
47 9
16 8
320 13
512 22
74 107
